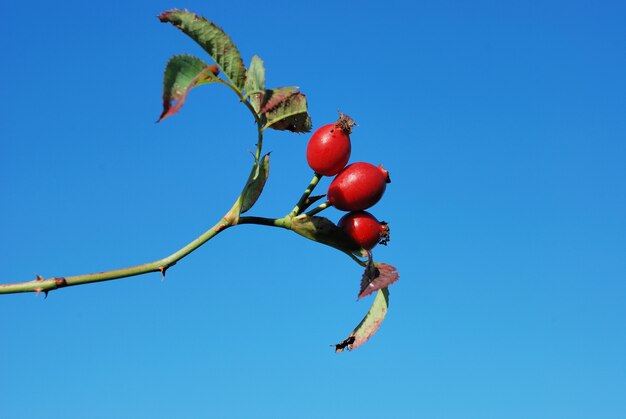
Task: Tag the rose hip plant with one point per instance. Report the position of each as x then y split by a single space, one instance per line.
355 188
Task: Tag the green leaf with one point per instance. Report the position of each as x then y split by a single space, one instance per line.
324 231
213 40
255 82
255 184
182 73
370 323
289 114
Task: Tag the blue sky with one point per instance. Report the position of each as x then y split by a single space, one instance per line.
501 123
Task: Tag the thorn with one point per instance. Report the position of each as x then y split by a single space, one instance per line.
163 270
38 277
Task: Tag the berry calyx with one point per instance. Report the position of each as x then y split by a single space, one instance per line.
358 186
328 150
364 229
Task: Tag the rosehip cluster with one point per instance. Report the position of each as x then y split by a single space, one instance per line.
355 188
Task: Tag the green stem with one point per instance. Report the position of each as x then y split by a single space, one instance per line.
319 208
230 219
356 259
286 223
260 128
45 285
270 222
307 192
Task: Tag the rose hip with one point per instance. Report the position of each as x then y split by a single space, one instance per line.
329 148
358 186
364 229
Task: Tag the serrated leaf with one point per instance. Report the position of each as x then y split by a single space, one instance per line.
273 97
213 40
324 231
255 184
377 275
290 114
370 323
182 73
255 82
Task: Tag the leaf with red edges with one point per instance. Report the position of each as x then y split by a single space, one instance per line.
289 114
377 275
273 97
213 40
369 325
182 73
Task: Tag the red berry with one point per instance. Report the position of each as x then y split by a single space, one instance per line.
329 148
358 187
364 229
